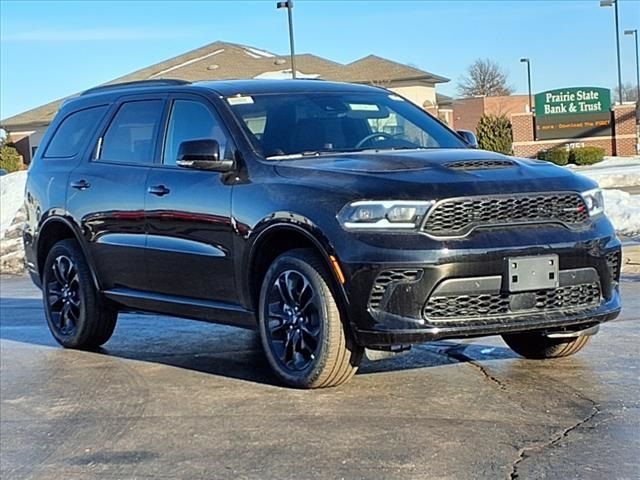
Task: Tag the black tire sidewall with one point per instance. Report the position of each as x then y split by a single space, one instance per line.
86 293
302 378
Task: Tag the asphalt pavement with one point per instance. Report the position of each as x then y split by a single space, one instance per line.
175 399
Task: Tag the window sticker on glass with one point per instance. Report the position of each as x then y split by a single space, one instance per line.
396 98
364 107
240 100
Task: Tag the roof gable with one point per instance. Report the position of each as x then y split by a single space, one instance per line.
227 61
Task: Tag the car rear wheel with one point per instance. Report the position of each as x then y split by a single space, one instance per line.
77 315
539 346
305 338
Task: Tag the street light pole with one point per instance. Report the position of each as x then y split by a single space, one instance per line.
635 34
289 6
608 3
528 62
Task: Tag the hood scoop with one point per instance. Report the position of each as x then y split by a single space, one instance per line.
479 164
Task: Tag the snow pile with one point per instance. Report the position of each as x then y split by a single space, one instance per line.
11 197
284 75
11 222
623 210
613 172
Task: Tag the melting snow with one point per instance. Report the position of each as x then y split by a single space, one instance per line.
11 197
284 74
623 209
256 53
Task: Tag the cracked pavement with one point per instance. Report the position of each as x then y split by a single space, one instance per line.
169 398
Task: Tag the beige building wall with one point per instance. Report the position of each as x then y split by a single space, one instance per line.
418 94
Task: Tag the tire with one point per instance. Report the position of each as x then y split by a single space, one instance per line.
305 338
77 315
538 346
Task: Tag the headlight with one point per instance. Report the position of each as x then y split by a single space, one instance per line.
594 201
384 215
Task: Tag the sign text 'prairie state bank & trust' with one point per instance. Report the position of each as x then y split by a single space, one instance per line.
573 113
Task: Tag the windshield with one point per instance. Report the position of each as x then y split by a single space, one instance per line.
296 124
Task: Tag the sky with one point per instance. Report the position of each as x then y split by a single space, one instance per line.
51 49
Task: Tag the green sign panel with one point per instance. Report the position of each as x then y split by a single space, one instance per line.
573 113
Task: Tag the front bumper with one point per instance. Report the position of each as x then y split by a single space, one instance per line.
393 312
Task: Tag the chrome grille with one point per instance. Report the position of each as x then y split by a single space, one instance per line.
571 297
457 217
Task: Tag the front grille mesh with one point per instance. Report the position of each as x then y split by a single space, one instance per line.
613 261
457 217
479 164
572 297
386 278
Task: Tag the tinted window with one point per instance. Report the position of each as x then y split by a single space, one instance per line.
73 131
130 136
191 120
295 124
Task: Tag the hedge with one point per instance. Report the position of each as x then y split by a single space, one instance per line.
577 155
557 155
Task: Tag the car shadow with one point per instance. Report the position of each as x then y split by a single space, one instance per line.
217 349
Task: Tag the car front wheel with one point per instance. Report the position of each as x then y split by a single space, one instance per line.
305 339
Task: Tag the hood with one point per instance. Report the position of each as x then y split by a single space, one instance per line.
441 172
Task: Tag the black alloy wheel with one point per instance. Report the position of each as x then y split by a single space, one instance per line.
295 329
62 293
77 314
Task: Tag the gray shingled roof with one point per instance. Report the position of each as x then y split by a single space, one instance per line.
226 61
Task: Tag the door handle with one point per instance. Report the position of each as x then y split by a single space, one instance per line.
159 190
80 185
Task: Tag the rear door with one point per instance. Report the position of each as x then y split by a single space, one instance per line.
108 192
188 212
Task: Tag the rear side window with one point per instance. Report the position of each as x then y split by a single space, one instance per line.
131 135
73 132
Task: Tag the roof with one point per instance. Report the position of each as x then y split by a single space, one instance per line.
226 61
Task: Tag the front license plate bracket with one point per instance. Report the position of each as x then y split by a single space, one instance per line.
538 272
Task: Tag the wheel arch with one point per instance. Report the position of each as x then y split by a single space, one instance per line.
277 239
53 230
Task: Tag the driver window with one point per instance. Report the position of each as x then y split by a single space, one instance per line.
192 120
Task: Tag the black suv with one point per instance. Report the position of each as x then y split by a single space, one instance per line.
330 217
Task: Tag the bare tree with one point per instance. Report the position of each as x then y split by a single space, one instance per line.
629 92
484 77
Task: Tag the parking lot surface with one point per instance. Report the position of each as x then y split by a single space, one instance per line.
168 398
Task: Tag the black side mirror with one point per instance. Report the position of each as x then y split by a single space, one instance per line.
202 155
469 137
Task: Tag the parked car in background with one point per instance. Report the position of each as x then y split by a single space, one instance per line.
330 217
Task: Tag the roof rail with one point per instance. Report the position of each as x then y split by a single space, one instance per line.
137 83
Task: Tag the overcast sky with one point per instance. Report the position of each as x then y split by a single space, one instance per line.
52 49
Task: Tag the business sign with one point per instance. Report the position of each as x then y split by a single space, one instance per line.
573 113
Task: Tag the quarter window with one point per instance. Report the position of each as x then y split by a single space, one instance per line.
131 135
73 132
192 120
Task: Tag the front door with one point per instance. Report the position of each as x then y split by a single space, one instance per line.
188 212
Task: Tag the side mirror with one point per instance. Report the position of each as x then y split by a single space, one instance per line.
202 155
469 137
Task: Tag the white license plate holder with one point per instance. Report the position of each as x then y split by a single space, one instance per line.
539 272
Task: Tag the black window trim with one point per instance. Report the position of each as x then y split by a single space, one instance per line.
194 97
109 120
80 150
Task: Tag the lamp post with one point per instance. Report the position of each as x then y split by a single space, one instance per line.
289 6
635 34
528 62
614 3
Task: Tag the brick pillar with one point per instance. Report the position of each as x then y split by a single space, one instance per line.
624 127
522 127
